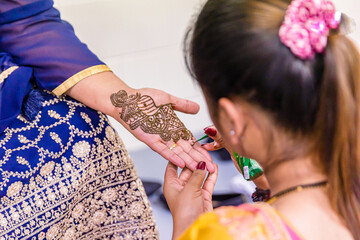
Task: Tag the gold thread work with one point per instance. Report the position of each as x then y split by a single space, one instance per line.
84 186
72 81
6 73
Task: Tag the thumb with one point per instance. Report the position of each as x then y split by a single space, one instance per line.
197 178
184 105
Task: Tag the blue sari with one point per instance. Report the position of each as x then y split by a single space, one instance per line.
64 171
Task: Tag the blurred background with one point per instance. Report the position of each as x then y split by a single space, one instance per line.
141 41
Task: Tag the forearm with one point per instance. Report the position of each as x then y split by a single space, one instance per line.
95 91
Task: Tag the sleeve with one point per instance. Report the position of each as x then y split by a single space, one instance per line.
35 36
206 227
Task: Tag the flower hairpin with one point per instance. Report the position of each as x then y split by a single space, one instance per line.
307 25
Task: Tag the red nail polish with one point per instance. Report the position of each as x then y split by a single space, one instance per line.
201 165
210 131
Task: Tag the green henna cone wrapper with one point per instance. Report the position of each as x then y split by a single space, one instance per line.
249 167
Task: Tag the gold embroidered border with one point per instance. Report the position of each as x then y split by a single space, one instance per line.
6 73
93 192
70 82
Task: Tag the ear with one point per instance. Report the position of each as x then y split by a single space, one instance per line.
232 120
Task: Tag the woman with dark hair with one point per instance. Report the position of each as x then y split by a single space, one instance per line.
64 171
281 81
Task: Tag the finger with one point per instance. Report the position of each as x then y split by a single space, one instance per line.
170 172
189 149
202 151
189 162
210 181
170 178
185 174
213 133
197 178
184 105
164 151
208 205
195 155
213 146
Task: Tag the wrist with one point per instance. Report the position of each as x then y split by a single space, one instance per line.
95 91
114 111
177 230
181 221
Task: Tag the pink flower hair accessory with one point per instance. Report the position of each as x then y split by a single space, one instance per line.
306 26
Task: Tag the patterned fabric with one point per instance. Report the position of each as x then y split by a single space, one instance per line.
67 175
245 222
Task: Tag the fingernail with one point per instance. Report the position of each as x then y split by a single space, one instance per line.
201 165
210 131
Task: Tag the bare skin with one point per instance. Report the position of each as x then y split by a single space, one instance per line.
308 211
95 92
313 216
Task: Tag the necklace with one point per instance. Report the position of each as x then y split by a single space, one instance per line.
298 188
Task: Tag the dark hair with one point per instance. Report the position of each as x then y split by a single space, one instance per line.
234 50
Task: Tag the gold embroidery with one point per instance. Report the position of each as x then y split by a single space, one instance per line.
54 136
72 81
81 149
85 117
3 221
5 74
47 168
14 189
22 161
53 114
94 193
110 133
77 211
109 195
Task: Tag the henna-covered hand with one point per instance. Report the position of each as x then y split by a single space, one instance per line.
141 111
149 115
101 86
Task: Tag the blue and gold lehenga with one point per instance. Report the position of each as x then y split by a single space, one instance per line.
67 175
64 171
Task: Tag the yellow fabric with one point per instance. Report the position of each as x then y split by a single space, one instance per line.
245 222
70 82
206 227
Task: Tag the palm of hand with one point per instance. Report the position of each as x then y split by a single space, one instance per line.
148 115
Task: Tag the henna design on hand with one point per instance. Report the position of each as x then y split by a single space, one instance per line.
141 111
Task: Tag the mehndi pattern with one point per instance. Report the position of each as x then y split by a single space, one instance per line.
140 111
